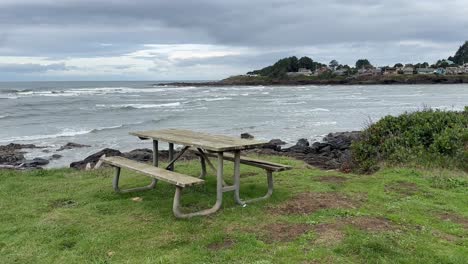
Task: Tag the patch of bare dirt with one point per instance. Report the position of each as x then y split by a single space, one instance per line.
307 203
329 234
371 224
225 244
282 232
452 217
402 188
331 179
63 203
445 236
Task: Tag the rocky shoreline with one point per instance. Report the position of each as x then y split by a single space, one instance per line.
332 153
354 80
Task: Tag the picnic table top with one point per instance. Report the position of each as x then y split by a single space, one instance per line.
216 143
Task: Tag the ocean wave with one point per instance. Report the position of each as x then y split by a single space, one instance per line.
97 91
137 106
8 97
63 133
324 123
318 109
77 132
4 116
292 103
214 99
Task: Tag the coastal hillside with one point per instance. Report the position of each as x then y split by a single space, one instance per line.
294 71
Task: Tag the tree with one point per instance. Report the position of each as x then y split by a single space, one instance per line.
306 62
461 56
398 65
333 64
363 63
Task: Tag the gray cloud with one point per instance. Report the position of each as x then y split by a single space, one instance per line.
32 68
322 29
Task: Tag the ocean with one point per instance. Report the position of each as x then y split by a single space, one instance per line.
101 114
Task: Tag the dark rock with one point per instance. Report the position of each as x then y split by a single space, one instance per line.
274 144
302 142
71 145
55 157
94 158
247 136
14 147
36 162
142 155
341 140
11 158
326 150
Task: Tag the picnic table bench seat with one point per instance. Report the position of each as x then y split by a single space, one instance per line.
168 176
268 166
263 164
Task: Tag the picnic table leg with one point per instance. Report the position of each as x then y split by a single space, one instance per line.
115 184
237 183
203 168
219 195
155 160
171 156
237 178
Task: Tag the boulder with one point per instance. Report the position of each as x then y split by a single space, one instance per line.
71 145
247 136
142 155
14 147
55 157
93 159
303 142
341 140
274 144
36 162
11 158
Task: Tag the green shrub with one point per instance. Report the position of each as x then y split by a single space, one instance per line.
429 138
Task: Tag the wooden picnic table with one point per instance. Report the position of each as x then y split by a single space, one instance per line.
202 142
205 145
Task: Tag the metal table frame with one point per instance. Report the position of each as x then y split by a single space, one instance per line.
221 186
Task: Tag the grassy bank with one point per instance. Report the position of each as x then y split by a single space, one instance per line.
398 215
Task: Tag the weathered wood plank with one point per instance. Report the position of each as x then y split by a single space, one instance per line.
254 162
154 172
216 143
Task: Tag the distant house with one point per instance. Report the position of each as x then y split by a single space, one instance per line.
252 75
408 70
440 71
340 72
465 68
391 71
300 72
365 72
425 70
454 70
321 71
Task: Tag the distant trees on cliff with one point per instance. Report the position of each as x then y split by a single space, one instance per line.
461 56
285 65
363 63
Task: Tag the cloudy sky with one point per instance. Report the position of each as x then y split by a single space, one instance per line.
212 39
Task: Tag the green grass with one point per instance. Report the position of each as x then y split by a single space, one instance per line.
68 216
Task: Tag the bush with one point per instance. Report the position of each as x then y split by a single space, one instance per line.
429 138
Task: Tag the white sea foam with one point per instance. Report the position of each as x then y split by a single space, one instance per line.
318 109
216 99
63 133
99 91
138 106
